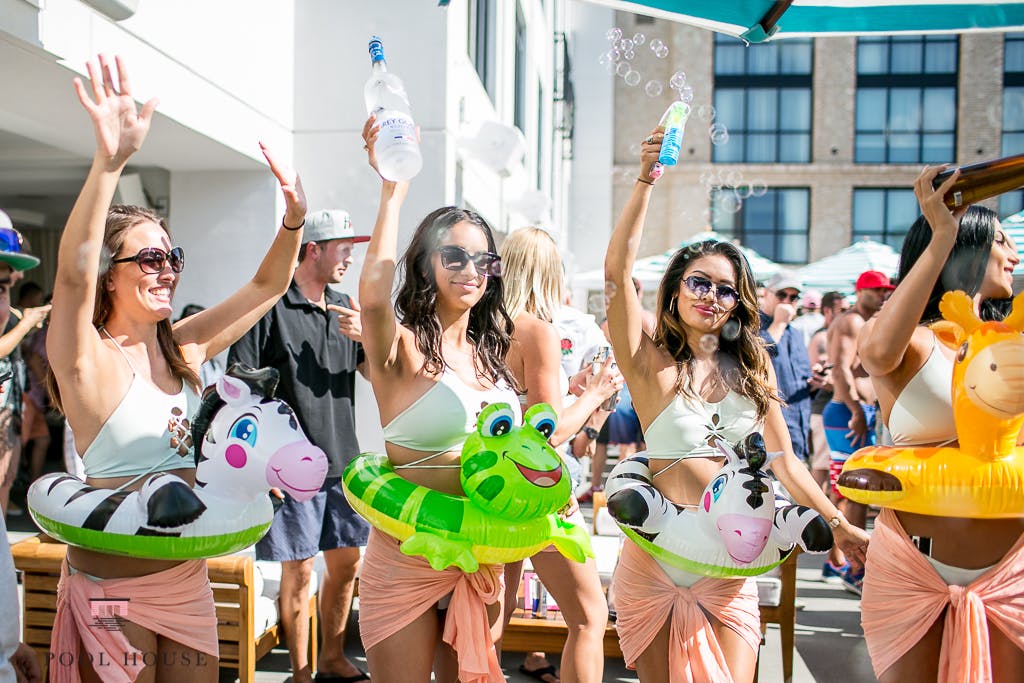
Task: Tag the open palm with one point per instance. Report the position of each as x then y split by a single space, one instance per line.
119 127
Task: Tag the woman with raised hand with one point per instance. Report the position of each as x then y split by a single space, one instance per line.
915 625
533 274
125 377
704 376
436 358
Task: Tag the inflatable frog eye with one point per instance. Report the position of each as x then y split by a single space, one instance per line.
542 417
497 419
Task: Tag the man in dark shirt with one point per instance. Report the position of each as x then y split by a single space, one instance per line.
311 336
789 355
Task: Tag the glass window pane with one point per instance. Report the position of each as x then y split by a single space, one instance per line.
759 212
760 148
794 147
939 109
901 210
762 113
1013 109
903 148
795 109
762 243
1010 204
872 105
793 247
729 59
763 58
869 148
906 57
729 105
730 151
793 213
905 109
937 148
795 57
940 58
872 57
1013 143
868 210
1013 57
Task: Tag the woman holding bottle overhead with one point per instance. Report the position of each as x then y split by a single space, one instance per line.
943 597
124 376
703 376
532 271
436 358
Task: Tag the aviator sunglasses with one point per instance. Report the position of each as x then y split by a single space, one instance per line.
726 296
152 260
487 263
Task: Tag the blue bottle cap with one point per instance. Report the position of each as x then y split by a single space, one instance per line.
376 49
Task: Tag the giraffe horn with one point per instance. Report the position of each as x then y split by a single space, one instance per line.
1016 317
958 308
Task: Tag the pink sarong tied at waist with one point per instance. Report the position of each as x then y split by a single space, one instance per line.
395 590
645 597
176 603
904 595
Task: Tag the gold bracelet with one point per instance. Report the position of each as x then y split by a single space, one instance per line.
647 182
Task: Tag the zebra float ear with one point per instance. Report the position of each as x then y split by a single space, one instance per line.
233 391
725 448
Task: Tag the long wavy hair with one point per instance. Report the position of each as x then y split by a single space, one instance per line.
120 219
532 274
746 347
964 268
490 327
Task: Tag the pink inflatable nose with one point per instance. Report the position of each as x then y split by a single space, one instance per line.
298 468
744 536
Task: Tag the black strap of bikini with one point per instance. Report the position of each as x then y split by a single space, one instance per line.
922 543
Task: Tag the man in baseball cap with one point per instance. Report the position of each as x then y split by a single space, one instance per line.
873 279
312 337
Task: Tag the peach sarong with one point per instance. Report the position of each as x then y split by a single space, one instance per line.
176 603
903 596
645 597
395 590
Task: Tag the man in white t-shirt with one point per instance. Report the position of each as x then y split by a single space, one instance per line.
17 660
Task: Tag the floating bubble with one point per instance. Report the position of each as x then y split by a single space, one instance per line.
678 80
708 343
656 44
733 178
605 58
632 78
610 289
727 202
743 191
626 45
719 134
653 88
622 68
613 35
629 54
686 94
706 113
758 188
661 52
706 178
634 149
596 304
639 38
731 329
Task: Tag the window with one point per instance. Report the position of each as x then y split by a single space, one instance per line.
519 115
481 40
1013 113
763 96
883 214
906 99
774 225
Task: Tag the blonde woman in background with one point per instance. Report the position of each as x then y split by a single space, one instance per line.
533 294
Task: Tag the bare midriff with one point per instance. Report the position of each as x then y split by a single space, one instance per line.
445 480
685 481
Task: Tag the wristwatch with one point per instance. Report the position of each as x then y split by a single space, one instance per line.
836 521
590 432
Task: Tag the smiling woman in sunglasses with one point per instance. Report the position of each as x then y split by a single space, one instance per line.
127 382
436 358
704 376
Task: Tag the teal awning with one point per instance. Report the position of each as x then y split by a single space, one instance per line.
759 20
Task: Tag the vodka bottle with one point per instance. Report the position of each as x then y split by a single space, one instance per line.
983 180
398 152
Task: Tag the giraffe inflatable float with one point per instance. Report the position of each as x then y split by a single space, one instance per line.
982 475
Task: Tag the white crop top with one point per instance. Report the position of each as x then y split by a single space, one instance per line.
923 412
687 426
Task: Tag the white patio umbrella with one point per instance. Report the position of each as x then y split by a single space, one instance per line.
840 271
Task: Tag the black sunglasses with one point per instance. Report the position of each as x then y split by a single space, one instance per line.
727 296
152 260
487 263
787 297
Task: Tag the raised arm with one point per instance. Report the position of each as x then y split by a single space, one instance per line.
120 130
885 339
380 330
205 334
625 314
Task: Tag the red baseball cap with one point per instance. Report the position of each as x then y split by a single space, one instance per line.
873 279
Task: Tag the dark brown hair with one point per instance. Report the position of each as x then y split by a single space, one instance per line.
747 347
121 218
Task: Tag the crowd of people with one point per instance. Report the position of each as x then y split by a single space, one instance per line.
721 357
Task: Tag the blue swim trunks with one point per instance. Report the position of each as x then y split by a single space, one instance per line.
836 417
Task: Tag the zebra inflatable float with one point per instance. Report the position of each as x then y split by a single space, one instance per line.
739 528
246 442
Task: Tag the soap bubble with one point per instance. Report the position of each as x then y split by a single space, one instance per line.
639 38
758 188
719 134
610 289
634 149
661 52
653 88
622 68
606 58
706 113
727 202
731 329
743 191
678 80
656 44
613 35
632 78
733 178
596 303
626 45
629 54
707 178
708 343
686 94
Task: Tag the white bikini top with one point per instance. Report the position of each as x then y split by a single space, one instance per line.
923 412
688 427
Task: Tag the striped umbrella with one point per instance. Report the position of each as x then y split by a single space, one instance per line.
839 271
1014 227
758 20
